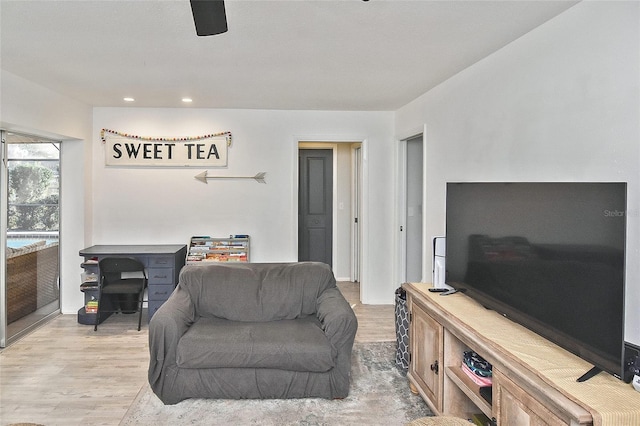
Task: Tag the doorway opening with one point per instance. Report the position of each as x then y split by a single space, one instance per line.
329 200
30 190
411 209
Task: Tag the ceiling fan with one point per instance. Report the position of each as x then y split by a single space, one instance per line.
209 16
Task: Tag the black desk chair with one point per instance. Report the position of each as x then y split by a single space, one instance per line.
122 285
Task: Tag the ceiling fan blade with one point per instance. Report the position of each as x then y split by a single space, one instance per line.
209 17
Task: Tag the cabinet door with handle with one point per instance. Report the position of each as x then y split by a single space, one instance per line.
517 407
426 343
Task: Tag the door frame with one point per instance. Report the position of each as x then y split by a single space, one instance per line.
401 210
356 209
331 142
4 189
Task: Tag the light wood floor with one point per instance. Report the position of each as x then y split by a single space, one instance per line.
64 373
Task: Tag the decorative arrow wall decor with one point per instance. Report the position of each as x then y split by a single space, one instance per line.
204 178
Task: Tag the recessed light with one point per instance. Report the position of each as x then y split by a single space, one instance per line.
128 99
187 100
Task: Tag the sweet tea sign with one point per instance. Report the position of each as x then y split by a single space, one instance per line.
122 149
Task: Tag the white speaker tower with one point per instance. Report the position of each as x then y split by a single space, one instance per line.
439 263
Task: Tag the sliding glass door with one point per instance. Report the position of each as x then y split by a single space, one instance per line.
30 227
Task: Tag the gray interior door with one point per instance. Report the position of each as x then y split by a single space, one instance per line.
315 210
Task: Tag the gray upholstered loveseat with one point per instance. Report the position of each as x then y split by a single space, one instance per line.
251 330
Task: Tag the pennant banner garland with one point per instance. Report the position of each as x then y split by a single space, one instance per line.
122 149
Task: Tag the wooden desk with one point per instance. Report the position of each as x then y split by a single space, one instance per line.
163 263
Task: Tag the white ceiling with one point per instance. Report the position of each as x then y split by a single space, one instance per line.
308 55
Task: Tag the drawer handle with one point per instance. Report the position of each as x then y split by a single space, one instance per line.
159 276
434 367
161 292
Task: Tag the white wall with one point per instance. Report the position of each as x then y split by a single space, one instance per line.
29 108
167 205
561 103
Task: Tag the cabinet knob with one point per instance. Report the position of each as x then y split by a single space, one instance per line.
434 367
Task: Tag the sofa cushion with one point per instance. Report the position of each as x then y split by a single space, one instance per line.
297 345
256 291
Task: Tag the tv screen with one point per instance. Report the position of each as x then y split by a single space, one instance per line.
547 255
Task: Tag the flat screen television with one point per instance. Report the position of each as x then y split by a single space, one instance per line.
550 256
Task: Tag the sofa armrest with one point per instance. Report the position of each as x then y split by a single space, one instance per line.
166 327
338 321
340 325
